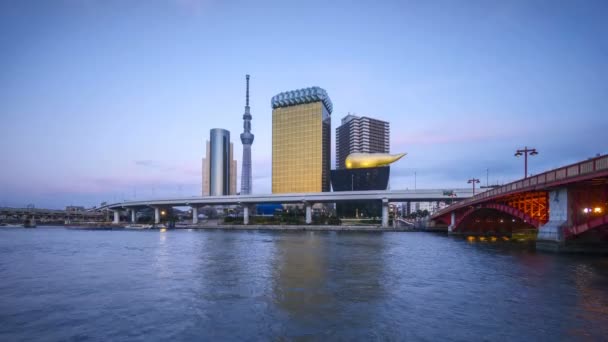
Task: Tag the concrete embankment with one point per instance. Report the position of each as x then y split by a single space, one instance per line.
302 228
214 226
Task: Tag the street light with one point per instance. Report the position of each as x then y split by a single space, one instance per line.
473 181
525 152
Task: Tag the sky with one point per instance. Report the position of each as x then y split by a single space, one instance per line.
114 100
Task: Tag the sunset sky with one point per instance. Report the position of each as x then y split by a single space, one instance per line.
113 100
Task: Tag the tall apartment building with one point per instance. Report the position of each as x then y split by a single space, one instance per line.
361 135
219 167
301 141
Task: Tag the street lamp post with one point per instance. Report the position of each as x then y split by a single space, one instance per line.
473 181
525 152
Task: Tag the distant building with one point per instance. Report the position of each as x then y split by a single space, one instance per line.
373 178
361 135
74 209
219 167
363 172
301 141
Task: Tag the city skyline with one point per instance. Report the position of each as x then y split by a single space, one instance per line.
98 107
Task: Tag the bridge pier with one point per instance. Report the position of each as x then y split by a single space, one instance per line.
116 217
245 215
550 236
156 215
133 214
452 222
571 228
384 213
194 215
308 206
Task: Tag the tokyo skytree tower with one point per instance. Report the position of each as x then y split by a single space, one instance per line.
247 140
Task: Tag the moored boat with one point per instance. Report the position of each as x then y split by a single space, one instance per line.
138 226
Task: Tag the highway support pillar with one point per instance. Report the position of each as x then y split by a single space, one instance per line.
156 215
194 215
133 218
452 222
384 213
308 206
116 217
245 215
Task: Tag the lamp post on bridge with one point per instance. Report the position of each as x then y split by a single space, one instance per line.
473 181
525 152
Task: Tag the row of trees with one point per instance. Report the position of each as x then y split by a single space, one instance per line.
418 214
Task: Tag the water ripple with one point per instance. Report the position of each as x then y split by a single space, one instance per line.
227 285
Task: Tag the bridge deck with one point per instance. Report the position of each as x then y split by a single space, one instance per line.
320 197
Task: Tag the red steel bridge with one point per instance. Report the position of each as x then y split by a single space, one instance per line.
563 205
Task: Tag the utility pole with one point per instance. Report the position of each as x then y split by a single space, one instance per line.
487 177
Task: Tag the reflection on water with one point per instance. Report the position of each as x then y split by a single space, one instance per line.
215 285
300 274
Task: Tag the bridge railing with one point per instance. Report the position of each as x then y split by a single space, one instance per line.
553 177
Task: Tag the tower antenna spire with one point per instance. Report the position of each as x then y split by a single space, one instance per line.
247 93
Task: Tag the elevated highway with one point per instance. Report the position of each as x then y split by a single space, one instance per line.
307 199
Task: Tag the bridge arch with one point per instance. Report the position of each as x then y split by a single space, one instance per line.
581 228
503 208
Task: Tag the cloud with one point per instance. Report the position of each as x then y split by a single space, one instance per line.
148 163
185 168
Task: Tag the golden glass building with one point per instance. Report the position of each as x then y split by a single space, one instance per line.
301 141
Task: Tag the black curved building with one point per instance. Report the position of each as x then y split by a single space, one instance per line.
373 178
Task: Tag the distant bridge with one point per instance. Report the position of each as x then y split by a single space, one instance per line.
307 199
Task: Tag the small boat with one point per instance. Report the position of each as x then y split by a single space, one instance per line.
138 226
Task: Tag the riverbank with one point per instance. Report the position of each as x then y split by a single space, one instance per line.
350 228
346 228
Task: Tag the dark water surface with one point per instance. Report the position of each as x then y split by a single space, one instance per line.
58 284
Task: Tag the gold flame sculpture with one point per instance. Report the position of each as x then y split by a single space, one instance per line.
365 160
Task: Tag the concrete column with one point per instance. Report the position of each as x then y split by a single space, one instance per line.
551 235
452 222
194 215
384 213
116 217
308 212
245 215
133 218
156 215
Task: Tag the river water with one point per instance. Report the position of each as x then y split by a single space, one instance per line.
58 284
